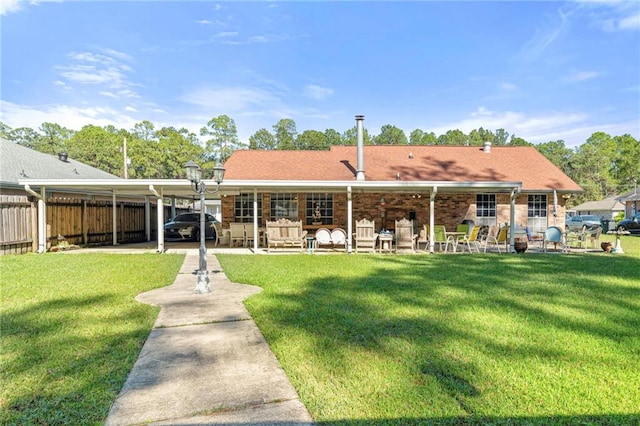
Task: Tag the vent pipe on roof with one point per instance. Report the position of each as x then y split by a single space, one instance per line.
486 147
359 127
62 156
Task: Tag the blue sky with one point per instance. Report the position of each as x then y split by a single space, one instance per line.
541 70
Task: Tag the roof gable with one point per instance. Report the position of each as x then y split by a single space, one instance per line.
406 163
18 162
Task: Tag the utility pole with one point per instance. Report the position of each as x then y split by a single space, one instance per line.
126 166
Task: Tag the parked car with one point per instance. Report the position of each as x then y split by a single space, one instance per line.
580 223
632 225
186 226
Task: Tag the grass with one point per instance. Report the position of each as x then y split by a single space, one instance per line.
527 339
71 331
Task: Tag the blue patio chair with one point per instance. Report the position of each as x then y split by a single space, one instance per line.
554 235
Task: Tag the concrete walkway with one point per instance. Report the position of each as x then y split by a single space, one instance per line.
205 361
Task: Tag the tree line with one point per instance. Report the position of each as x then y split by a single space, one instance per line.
603 165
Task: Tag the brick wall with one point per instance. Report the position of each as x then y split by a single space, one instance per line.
450 208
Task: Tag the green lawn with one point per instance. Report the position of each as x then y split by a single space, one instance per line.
71 331
526 339
365 339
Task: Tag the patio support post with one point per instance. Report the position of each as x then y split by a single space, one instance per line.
173 207
159 218
512 215
432 204
147 217
42 217
349 221
114 219
255 220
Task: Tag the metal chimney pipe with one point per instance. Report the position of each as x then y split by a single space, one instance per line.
486 147
359 127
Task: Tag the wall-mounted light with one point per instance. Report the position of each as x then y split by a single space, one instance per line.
382 201
397 176
416 195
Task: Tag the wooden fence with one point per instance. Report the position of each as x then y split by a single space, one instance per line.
77 221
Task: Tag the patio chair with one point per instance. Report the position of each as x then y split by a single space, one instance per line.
218 228
554 235
423 237
237 234
496 238
339 238
472 239
323 238
405 238
248 234
365 235
440 237
594 237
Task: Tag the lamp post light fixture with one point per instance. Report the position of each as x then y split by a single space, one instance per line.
194 174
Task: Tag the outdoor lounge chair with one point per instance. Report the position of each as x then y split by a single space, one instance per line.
405 238
323 238
339 238
365 235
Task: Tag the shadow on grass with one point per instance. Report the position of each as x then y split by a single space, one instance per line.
70 377
575 298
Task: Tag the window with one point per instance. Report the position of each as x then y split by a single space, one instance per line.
284 205
319 210
486 209
243 209
537 213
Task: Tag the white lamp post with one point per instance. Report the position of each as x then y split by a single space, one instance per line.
194 174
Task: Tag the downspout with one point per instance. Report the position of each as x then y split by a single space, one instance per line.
159 218
349 221
432 204
512 218
42 217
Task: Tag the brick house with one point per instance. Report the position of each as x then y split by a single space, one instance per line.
445 185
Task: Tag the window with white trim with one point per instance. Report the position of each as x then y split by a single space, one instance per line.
537 213
485 209
319 209
243 208
284 205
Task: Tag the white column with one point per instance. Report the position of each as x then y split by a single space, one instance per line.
147 217
255 220
42 221
512 219
432 204
114 216
160 219
349 221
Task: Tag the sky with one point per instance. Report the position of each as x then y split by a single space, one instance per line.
542 70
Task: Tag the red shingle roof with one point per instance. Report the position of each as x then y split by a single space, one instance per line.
383 163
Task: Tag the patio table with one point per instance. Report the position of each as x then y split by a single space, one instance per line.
385 242
455 237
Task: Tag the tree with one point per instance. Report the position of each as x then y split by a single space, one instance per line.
262 139
177 147
558 154
500 137
312 140
285 134
626 168
223 138
334 138
5 131
350 137
25 136
97 147
55 138
517 141
453 137
593 163
480 136
390 135
144 131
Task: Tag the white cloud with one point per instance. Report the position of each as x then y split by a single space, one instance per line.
10 6
543 38
72 117
631 22
508 87
203 22
580 76
230 99
317 92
